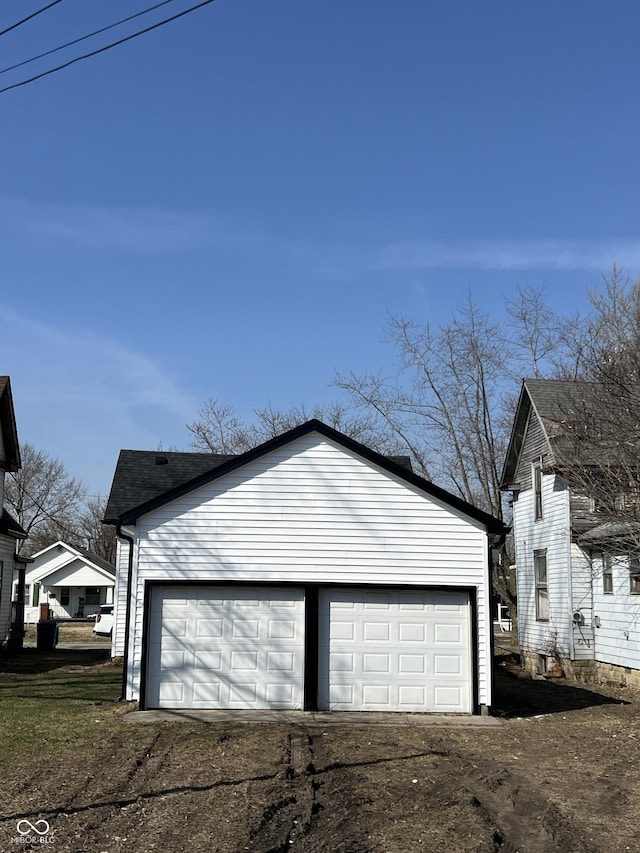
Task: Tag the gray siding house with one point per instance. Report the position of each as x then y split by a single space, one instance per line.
578 577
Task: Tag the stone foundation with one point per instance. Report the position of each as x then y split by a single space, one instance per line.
584 671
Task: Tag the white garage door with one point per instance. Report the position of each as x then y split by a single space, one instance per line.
387 650
225 647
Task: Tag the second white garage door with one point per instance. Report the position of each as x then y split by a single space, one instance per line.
225 647
394 650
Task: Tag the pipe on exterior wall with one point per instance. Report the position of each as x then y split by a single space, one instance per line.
127 622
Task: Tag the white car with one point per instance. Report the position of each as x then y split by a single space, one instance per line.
104 620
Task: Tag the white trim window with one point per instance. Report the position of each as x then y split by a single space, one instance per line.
27 592
541 584
536 476
607 574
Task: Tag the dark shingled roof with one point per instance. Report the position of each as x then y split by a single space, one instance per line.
10 527
145 479
98 561
559 404
143 475
559 401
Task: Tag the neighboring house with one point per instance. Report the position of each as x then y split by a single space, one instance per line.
11 626
72 582
577 578
310 572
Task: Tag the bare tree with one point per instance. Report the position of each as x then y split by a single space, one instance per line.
218 429
452 398
444 402
44 498
94 536
544 343
449 403
598 430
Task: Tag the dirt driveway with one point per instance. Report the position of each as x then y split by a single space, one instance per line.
560 775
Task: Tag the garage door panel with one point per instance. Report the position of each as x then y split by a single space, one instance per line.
394 650
412 663
445 633
245 628
282 629
412 632
225 648
209 628
409 697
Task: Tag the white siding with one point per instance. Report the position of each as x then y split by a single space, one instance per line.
48 560
617 640
77 574
581 591
311 512
552 533
120 598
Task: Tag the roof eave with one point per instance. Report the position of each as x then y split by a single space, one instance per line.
516 439
12 461
493 525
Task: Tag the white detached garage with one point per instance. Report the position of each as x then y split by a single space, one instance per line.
310 572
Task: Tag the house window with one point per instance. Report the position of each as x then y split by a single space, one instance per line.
537 491
634 575
27 591
92 595
607 574
542 590
64 596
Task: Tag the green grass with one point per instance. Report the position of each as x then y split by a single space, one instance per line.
52 703
69 632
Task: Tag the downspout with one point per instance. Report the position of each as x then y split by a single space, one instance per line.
127 622
494 542
572 650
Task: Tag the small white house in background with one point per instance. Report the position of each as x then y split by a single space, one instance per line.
308 573
72 582
578 586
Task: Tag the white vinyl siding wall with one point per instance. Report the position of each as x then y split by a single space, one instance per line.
581 590
617 640
311 512
552 534
120 596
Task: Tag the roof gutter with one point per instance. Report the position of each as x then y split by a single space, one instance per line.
127 623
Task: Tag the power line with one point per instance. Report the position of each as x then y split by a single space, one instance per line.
108 46
84 38
28 18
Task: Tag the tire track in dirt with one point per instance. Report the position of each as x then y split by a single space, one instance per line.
300 812
523 819
286 820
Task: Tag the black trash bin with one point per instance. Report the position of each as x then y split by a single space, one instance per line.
47 635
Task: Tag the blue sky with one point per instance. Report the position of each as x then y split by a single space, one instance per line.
232 205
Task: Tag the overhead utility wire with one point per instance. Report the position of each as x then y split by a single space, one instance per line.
107 46
28 18
84 38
